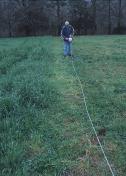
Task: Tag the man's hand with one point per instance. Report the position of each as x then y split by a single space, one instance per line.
66 38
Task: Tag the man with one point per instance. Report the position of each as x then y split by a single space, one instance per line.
67 33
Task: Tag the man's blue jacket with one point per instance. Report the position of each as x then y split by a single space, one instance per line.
67 31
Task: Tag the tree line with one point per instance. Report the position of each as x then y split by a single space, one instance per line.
46 17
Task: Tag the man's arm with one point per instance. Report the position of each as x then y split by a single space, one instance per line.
72 31
62 36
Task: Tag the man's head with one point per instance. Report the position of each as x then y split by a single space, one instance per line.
67 23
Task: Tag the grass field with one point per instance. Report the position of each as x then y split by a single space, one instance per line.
44 126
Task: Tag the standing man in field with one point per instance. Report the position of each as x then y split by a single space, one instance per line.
67 33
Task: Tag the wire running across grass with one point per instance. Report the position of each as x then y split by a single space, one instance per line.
85 103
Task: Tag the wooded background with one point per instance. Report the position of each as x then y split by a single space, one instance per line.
46 17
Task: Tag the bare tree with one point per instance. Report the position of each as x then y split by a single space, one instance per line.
94 16
109 17
38 17
119 14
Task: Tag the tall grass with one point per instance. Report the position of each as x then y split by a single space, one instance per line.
44 126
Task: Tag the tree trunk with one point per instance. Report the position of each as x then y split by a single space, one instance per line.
109 18
9 22
119 15
94 16
58 16
9 29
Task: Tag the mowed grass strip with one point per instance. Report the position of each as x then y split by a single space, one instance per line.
102 70
44 126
